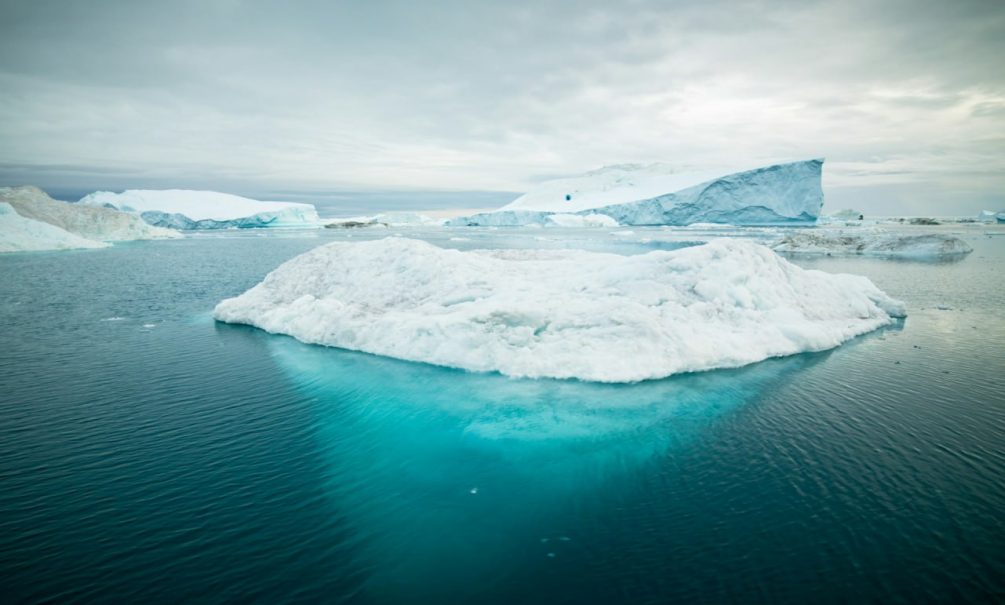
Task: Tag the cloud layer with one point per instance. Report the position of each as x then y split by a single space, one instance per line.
906 100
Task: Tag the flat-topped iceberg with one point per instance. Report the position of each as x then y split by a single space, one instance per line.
927 246
562 313
21 234
187 210
100 224
655 195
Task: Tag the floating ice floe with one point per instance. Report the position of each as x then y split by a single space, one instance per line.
188 210
929 246
100 224
562 313
658 195
21 234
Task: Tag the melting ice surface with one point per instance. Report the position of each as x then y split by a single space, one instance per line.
562 314
445 474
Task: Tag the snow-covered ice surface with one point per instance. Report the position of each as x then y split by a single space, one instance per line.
188 210
654 195
101 224
21 234
562 313
873 242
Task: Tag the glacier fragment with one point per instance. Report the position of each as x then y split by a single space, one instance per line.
562 313
101 224
190 210
18 233
655 195
928 246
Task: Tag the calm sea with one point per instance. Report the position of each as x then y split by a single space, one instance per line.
148 454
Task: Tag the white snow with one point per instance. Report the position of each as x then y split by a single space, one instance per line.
562 313
207 206
874 242
102 224
18 234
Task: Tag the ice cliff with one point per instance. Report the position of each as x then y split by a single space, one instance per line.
187 210
562 313
18 234
655 195
101 224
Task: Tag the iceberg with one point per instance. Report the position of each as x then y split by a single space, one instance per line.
848 214
189 210
19 234
562 313
930 246
101 224
655 195
384 219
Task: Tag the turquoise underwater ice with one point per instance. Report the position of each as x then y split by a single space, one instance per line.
442 471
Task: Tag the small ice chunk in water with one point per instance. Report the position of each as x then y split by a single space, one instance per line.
149 325
473 491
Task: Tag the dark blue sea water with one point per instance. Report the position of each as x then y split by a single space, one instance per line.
148 454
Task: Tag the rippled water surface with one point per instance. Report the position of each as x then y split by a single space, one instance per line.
148 454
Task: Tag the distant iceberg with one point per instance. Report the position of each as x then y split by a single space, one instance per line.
100 224
655 195
562 313
188 210
928 246
21 234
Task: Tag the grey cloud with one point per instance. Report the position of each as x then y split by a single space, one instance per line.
323 96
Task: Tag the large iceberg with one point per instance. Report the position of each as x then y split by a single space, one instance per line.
187 210
927 246
18 234
101 224
562 313
655 195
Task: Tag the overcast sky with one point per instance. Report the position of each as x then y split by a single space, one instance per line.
294 100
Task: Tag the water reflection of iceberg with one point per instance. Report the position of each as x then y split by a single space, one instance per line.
451 480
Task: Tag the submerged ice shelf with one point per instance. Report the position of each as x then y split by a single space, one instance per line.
562 313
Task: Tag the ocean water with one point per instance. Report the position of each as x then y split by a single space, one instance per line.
149 454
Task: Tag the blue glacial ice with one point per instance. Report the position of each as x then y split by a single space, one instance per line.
653 195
